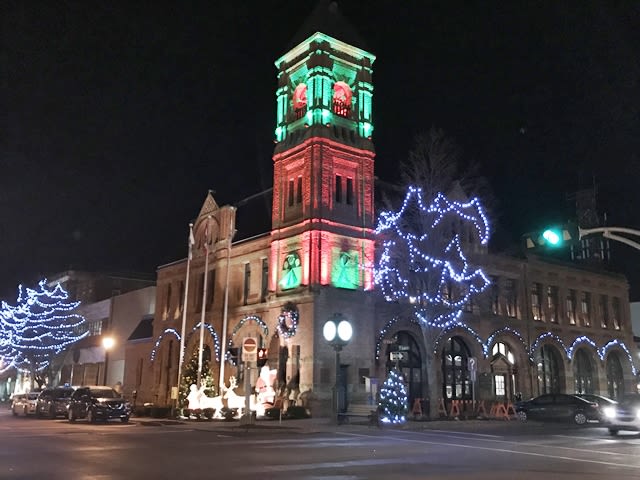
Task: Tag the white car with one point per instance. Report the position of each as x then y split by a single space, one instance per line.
625 415
24 403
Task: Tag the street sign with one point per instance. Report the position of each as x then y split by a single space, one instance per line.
472 364
249 350
397 356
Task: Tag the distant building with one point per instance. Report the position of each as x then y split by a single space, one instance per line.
88 362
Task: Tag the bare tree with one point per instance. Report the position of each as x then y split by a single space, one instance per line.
425 245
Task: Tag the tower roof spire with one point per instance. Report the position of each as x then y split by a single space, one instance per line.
327 18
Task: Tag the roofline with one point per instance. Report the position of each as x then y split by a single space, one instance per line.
302 47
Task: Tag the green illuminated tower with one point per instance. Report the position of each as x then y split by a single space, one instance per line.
324 158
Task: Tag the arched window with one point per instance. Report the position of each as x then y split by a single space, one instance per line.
456 384
504 350
583 372
410 365
548 370
342 99
615 377
504 371
300 100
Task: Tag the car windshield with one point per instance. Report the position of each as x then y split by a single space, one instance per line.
104 393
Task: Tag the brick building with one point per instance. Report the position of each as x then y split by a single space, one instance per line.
542 326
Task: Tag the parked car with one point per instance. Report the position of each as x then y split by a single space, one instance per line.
557 406
602 402
625 415
24 403
53 402
98 403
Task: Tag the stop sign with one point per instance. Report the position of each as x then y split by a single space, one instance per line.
249 349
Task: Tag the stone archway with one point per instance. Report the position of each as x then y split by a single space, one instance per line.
615 376
585 375
550 369
456 381
411 364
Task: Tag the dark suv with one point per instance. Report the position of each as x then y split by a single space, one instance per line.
53 401
98 403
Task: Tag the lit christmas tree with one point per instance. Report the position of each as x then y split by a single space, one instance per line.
41 326
190 377
393 403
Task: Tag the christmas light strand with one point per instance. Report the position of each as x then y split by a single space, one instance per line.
214 336
617 343
579 342
172 331
241 323
503 331
423 267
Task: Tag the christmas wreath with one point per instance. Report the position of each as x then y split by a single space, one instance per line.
288 321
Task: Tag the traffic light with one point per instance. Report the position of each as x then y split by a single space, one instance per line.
233 355
262 357
552 237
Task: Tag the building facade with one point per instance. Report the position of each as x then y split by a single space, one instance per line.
540 326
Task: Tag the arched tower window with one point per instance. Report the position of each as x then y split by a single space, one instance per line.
342 99
300 101
615 377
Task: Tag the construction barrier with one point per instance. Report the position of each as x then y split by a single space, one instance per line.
471 409
417 407
442 409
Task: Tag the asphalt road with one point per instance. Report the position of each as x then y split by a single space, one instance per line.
301 449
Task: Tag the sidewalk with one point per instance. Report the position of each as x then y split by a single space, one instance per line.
324 424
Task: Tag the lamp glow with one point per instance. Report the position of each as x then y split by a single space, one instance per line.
345 331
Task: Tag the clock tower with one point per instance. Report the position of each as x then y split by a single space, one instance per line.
323 211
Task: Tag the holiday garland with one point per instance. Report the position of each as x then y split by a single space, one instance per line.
288 321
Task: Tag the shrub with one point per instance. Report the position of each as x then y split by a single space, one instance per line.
160 412
298 412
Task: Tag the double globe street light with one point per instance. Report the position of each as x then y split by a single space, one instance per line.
337 331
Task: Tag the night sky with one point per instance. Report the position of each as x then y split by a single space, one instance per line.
117 119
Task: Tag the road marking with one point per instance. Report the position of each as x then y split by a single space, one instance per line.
546 445
505 450
452 433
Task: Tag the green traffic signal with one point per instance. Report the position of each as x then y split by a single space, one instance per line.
553 237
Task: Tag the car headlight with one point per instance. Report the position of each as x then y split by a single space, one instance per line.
609 412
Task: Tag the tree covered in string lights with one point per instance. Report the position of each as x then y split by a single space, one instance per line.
393 405
41 325
423 263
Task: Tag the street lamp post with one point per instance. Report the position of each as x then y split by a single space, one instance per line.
107 344
337 332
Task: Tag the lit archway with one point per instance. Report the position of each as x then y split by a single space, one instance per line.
456 382
410 365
